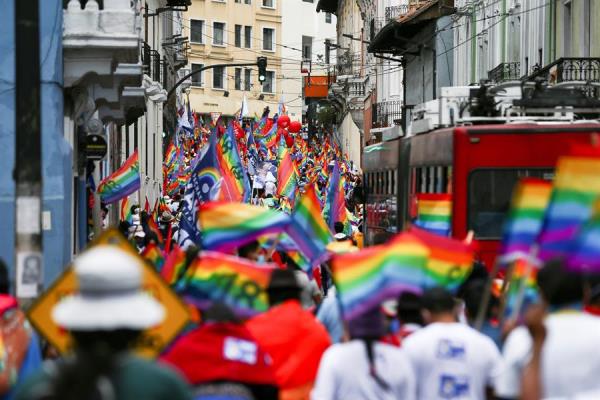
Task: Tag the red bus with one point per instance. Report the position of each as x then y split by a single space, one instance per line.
479 165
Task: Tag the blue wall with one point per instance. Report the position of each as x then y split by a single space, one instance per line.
56 152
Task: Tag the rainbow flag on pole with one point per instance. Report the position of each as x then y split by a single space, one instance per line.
122 182
450 261
308 228
434 212
576 188
154 255
525 218
286 173
174 266
239 283
522 288
232 169
335 205
126 210
226 226
366 278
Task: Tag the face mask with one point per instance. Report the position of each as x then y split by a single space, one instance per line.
261 259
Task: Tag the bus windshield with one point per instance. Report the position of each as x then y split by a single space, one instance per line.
489 197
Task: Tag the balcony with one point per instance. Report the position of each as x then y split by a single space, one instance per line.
503 72
394 12
348 64
151 63
387 113
357 88
570 69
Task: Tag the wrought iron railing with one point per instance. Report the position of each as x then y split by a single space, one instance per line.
151 63
394 12
507 71
570 69
387 113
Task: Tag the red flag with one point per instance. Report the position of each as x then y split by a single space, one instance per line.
147 205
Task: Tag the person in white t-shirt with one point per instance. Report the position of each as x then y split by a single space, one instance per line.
569 354
364 368
451 360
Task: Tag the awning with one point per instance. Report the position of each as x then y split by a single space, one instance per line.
329 6
397 34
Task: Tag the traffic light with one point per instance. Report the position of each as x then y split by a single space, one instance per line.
262 69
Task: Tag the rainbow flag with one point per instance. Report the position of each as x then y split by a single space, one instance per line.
153 227
335 205
154 256
126 210
366 278
584 254
287 175
576 188
174 266
170 154
226 226
522 288
122 182
308 228
239 283
434 212
232 168
300 261
450 261
525 218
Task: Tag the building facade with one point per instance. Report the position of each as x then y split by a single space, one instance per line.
227 32
308 60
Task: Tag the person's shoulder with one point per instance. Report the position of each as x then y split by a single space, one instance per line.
38 383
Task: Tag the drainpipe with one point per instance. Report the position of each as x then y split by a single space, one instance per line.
473 44
503 31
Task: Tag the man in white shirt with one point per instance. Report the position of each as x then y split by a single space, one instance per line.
570 354
364 368
451 360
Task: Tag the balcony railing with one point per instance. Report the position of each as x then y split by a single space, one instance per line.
570 69
508 71
357 88
387 113
394 12
152 63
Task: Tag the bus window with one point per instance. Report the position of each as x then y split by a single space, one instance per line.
489 197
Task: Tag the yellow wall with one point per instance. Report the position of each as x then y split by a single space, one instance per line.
206 99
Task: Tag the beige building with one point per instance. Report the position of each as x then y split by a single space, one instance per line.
234 31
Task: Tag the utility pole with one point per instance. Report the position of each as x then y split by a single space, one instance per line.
28 152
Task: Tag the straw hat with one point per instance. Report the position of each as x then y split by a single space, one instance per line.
110 295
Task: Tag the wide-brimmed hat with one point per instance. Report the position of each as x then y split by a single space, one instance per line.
166 217
110 295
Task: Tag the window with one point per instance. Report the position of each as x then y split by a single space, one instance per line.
269 84
238 79
307 47
219 78
268 39
308 1
197 78
268 3
328 17
196 31
218 33
247 79
248 37
238 36
489 197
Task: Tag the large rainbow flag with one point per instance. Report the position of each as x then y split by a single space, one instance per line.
239 283
434 212
122 182
366 278
286 173
235 179
524 220
576 188
226 226
308 228
450 261
335 205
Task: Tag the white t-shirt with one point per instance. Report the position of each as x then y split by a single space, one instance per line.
452 361
570 357
344 373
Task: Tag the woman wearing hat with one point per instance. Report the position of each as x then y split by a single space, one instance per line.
105 318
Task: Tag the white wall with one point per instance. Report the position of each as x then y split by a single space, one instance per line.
300 18
348 137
